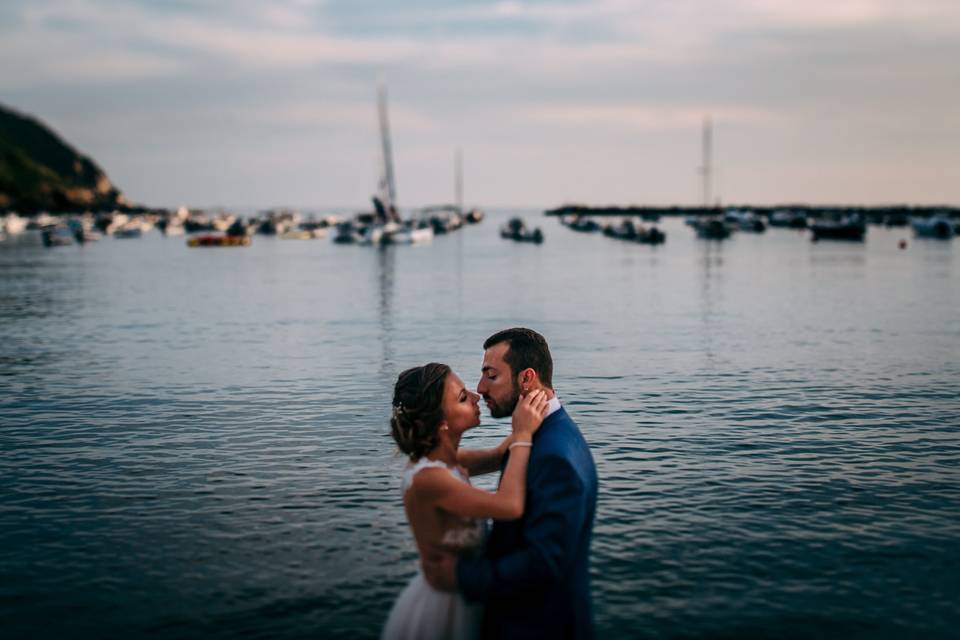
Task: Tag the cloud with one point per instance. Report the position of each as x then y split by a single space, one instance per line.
518 79
640 117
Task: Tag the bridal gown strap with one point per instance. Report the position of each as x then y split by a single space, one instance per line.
426 463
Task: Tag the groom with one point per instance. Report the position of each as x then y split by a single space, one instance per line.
534 576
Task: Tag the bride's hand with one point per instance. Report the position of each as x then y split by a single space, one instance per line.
529 414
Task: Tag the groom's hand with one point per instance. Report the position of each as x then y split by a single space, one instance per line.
440 570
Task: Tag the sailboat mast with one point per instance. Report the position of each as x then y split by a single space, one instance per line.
458 163
707 168
391 188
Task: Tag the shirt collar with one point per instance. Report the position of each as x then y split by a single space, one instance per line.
553 405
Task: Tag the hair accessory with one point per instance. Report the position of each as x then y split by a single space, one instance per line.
519 444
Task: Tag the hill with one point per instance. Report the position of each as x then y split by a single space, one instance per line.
39 171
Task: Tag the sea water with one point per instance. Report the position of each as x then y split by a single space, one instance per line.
194 442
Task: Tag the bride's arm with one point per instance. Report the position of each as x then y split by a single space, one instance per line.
507 503
481 461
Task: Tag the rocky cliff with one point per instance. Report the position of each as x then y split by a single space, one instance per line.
39 171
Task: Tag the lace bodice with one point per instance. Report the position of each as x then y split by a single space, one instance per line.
464 534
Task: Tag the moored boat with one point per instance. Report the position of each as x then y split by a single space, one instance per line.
82 229
128 231
711 229
631 232
745 221
937 226
55 235
12 224
219 241
787 218
515 229
850 227
581 223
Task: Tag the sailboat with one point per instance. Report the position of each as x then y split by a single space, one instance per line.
387 226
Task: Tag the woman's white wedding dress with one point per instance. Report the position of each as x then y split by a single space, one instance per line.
422 612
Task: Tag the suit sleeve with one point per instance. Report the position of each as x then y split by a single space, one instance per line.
556 509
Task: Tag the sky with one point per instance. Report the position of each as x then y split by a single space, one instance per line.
259 104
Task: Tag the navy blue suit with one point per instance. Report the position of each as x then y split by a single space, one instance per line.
534 577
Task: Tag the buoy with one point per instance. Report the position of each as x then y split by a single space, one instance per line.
902 244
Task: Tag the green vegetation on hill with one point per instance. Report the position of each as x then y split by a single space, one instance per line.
39 171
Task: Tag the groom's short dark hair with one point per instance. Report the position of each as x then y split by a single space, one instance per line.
527 349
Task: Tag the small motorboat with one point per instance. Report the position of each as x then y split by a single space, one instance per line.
631 232
219 241
712 229
131 229
788 219
348 233
846 228
745 221
516 230
474 216
582 224
652 235
55 236
937 226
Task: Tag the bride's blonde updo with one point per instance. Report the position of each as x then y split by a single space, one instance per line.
418 408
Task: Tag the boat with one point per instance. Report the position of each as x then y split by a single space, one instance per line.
412 233
303 234
653 235
442 218
631 232
82 230
446 218
12 225
278 222
581 223
850 227
219 241
711 229
128 230
515 229
384 225
787 218
745 221
347 232
55 235
936 226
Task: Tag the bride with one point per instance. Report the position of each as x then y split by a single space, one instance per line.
431 411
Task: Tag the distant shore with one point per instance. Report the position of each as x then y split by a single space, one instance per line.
812 211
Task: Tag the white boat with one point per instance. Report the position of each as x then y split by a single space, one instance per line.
419 234
13 224
303 234
128 230
117 221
